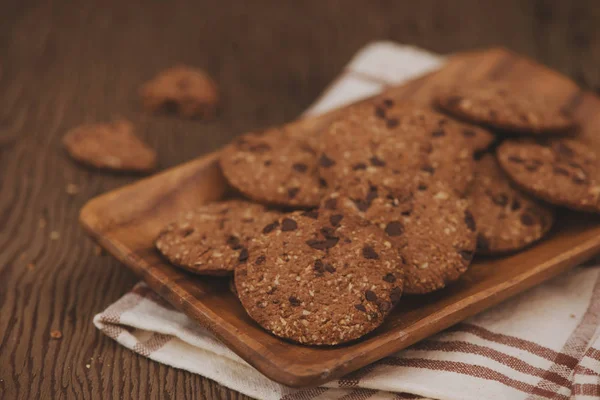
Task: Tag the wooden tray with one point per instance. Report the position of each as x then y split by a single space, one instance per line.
126 221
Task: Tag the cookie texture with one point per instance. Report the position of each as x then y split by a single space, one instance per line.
320 278
213 239
428 224
505 106
111 146
274 167
507 219
563 172
385 140
187 91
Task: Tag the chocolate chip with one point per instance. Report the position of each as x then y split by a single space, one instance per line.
394 228
390 278
327 231
288 224
376 161
527 219
371 194
370 295
428 168
453 101
560 171
422 187
359 166
426 147
300 167
579 180
325 161
466 255
234 242
270 227
438 133
335 219
500 199
322 183
267 163
323 244
292 192
391 123
564 150
331 204
468 132
516 204
470 221
319 267
531 167
260 260
243 255
307 149
395 295
380 112
330 268
369 253
314 214
515 159
482 243
187 232
388 103
384 306
360 307
294 301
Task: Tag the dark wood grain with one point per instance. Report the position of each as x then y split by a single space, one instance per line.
62 64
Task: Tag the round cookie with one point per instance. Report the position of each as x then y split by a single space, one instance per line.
506 107
274 167
213 239
111 146
188 91
564 172
428 224
320 278
380 140
506 218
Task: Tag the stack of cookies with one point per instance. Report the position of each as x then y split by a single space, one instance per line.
391 199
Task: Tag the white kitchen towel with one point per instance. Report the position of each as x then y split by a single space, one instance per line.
542 344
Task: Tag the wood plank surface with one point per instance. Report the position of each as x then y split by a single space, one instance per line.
64 63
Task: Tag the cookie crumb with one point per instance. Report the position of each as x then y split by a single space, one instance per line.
54 235
56 334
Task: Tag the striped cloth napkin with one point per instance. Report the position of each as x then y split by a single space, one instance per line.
544 343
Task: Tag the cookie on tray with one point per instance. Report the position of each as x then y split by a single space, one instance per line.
562 172
274 167
506 107
113 146
507 219
187 91
213 239
428 224
320 278
386 140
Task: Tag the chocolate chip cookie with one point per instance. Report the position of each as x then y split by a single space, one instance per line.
111 146
274 167
563 172
213 239
428 224
187 91
319 277
385 140
507 219
506 107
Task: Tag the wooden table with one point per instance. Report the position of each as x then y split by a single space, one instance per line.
62 65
